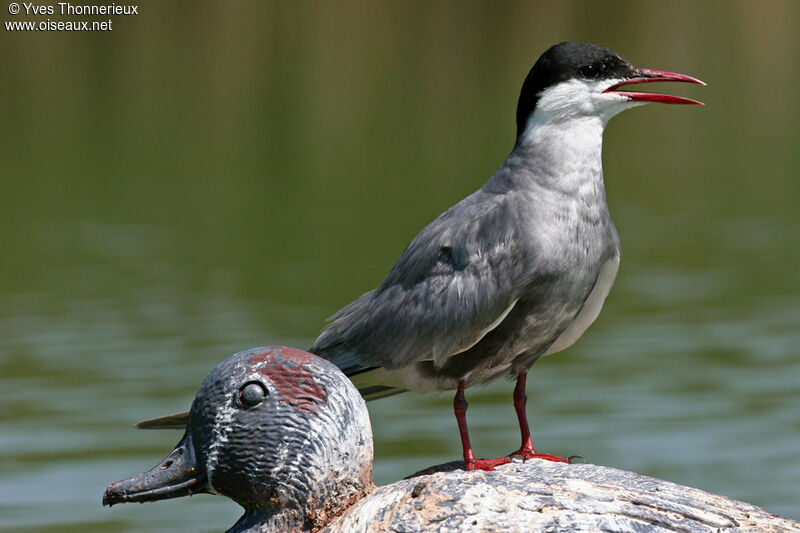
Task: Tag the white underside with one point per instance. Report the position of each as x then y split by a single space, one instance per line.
590 310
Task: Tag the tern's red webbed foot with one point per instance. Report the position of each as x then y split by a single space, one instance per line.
527 452
532 454
490 464
485 464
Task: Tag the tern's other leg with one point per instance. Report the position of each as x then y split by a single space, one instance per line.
526 451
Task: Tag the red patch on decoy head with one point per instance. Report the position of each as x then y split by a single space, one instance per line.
285 368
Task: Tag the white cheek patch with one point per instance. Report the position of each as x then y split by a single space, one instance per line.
579 98
562 100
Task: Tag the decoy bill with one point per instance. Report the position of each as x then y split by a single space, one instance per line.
515 271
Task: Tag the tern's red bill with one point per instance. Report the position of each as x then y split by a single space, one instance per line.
644 75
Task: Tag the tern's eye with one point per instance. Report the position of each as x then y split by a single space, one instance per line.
590 71
252 394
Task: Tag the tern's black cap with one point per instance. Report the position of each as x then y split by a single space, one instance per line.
565 61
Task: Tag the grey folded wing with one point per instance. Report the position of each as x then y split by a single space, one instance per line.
454 283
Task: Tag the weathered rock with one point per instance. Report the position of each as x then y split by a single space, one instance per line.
546 496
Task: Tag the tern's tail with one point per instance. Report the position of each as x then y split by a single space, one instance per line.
375 383
372 380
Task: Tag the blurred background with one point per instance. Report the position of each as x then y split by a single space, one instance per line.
212 176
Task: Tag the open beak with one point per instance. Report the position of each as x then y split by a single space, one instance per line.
645 75
178 474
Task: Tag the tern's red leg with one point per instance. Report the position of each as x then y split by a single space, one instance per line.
460 408
526 451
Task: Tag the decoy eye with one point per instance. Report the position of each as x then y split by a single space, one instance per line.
252 394
590 71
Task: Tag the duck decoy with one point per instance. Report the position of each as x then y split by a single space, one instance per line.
287 436
278 430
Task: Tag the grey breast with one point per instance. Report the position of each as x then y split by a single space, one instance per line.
564 243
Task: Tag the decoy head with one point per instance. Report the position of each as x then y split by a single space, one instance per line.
280 431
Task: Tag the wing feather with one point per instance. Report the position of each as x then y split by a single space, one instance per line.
452 285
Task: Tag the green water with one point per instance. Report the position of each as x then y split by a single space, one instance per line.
209 177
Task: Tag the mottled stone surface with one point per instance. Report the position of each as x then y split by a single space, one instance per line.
544 496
